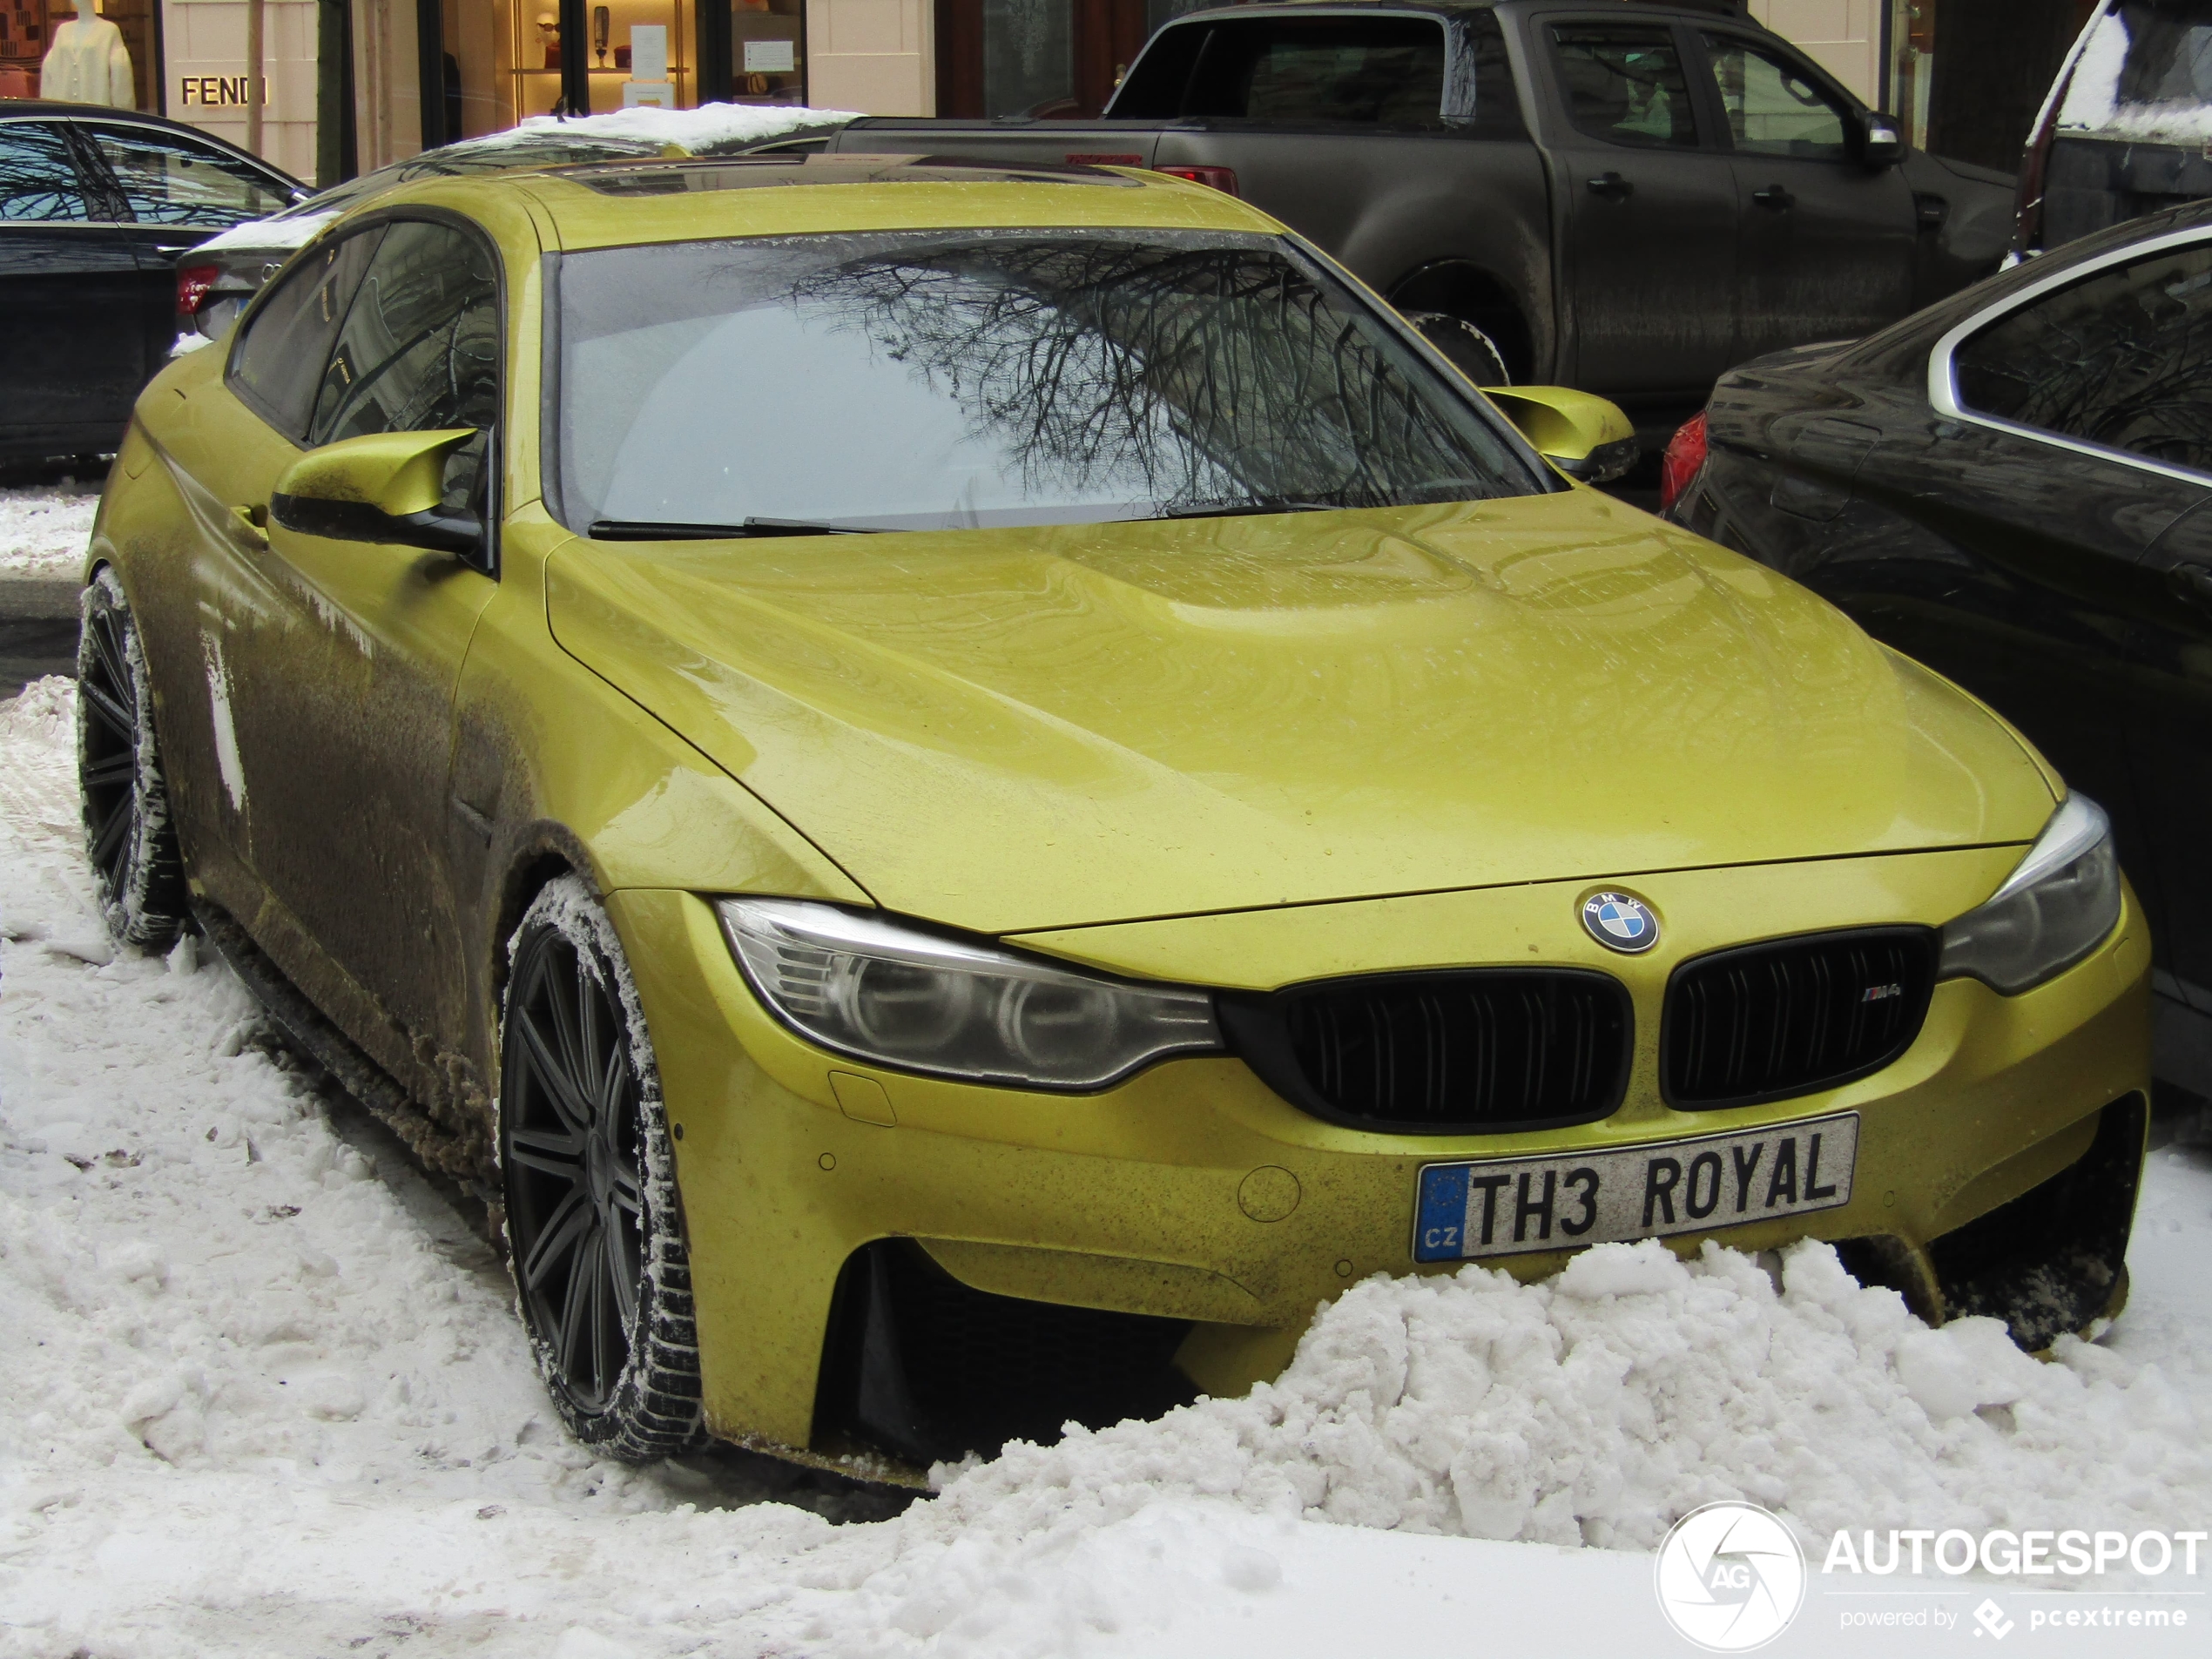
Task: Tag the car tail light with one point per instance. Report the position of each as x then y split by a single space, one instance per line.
1222 178
1685 453
193 284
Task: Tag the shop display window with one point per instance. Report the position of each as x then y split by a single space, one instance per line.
767 51
27 30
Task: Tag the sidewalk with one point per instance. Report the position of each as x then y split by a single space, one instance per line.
44 528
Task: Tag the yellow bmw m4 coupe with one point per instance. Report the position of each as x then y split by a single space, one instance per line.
959 792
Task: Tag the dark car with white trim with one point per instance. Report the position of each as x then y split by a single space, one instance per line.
2015 488
95 206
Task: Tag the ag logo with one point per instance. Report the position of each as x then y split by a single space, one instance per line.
1730 1577
1620 921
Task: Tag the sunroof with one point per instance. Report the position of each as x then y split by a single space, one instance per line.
660 178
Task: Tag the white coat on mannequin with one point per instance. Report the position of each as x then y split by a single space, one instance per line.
88 64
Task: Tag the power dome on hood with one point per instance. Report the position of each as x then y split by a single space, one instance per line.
1022 729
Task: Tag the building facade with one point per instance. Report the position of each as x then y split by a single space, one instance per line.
326 88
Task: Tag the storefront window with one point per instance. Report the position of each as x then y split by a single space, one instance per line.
27 35
767 51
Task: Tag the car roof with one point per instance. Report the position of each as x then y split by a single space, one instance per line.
52 109
626 203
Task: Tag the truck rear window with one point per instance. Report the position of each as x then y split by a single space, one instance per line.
1377 71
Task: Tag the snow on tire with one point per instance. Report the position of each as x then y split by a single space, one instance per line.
129 839
594 1233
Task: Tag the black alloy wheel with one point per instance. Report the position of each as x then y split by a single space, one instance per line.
129 840
1466 346
592 1231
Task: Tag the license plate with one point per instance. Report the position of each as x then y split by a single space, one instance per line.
1511 1206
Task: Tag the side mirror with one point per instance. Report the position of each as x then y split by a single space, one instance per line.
1585 437
1880 146
387 487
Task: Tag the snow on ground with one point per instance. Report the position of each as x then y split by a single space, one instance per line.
264 1394
44 528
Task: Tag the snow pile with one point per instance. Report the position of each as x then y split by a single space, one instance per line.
44 529
265 1394
711 128
1597 1407
720 127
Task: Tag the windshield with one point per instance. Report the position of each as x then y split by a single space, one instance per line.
950 379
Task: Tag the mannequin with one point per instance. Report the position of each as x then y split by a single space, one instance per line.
88 61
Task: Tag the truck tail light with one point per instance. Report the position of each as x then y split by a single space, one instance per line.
193 284
1222 178
1685 454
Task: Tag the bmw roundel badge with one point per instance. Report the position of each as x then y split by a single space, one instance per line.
1620 921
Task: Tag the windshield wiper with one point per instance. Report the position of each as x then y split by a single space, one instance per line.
644 530
1245 509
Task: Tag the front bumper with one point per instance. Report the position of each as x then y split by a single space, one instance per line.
1193 1192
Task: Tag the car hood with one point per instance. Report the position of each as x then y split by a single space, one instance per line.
1014 729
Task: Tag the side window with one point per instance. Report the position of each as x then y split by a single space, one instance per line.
419 349
1382 72
1625 83
277 364
2122 358
37 179
171 180
1772 109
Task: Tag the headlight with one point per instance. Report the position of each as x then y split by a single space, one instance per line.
879 991
2054 910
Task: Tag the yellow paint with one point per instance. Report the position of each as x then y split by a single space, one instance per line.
1238 752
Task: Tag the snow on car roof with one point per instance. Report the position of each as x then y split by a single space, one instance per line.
540 139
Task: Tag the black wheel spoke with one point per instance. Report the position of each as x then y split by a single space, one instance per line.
604 1338
111 653
574 1342
108 844
570 1103
106 774
553 1152
622 1279
626 1197
570 1220
111 711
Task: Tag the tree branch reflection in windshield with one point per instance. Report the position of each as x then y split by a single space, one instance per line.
1007 378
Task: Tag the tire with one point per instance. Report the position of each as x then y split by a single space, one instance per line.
130 840
1467 347
593 1234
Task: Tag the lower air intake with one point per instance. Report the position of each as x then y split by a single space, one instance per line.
1793 1016
1468 1049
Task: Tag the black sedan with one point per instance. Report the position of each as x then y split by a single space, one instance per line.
2013 487
95 206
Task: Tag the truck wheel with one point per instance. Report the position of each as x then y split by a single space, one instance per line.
593 1233
1468 348
129 840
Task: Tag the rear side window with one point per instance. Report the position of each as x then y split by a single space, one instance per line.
1377 71
277 365
37 179
419 349
171 180
2122 358
1624 84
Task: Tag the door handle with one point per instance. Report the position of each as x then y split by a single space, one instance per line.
1773 196
2193 582
254 521
1611 184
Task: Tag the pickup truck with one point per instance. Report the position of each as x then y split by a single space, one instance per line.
1626 199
